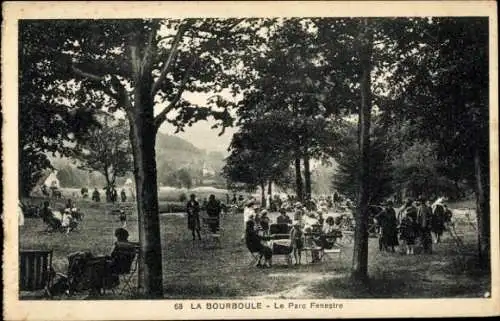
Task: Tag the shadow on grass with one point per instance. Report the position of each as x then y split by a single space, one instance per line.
461 276
199 290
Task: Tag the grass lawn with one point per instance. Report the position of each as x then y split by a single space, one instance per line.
191 271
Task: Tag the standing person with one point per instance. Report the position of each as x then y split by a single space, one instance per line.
123 195
297 237
424 221
408 233
123 218
114 195
213 209
193 216
389 225
20 214
96 197
438 220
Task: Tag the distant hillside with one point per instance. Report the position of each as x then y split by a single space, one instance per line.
172 154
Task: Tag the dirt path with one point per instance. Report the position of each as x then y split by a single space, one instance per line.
299 289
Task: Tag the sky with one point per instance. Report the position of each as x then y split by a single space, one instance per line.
201 134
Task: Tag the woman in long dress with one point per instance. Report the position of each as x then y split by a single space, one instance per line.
389 225
193 216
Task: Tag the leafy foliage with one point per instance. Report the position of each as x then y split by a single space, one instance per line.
347 179
107 149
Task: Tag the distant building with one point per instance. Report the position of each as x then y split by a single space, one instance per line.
207 171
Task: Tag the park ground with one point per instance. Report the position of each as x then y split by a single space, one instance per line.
193 271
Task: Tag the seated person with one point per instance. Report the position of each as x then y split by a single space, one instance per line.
68 223
255 243
87 271
283 218
123 252
264 222
329 234
47 215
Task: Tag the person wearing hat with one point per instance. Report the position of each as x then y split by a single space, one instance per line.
408 227
264 222
283 218
248 214
424 218
193 216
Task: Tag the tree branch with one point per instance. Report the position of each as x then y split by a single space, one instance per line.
169 61
85 74
97 81
160 118
148 53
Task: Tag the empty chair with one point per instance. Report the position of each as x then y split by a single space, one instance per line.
35 270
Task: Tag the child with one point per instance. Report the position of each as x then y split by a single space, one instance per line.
297 237
67 222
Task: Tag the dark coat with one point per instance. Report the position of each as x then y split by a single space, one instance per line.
389 225
193 215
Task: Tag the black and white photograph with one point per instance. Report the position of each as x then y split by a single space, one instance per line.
277 164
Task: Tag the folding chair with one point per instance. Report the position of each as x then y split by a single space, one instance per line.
328 254
35 270
124 263
255 258
347 236
210 236
310 247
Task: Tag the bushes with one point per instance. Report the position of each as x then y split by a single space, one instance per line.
171 207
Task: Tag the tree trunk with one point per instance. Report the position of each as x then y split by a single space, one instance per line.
143 137
360 254
482 206
298 180
262 195
307 176
270 188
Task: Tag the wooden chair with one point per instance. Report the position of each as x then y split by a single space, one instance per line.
35 270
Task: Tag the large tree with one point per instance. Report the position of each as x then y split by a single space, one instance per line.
256 157
107 150
295 96
144 66
442 89
46 124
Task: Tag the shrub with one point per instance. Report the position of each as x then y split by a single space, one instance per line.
183 197
171 207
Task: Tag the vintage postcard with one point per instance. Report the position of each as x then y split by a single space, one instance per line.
249 160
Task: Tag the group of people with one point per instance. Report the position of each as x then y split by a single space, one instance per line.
64 221
305 224
416 220
213 208
111 194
